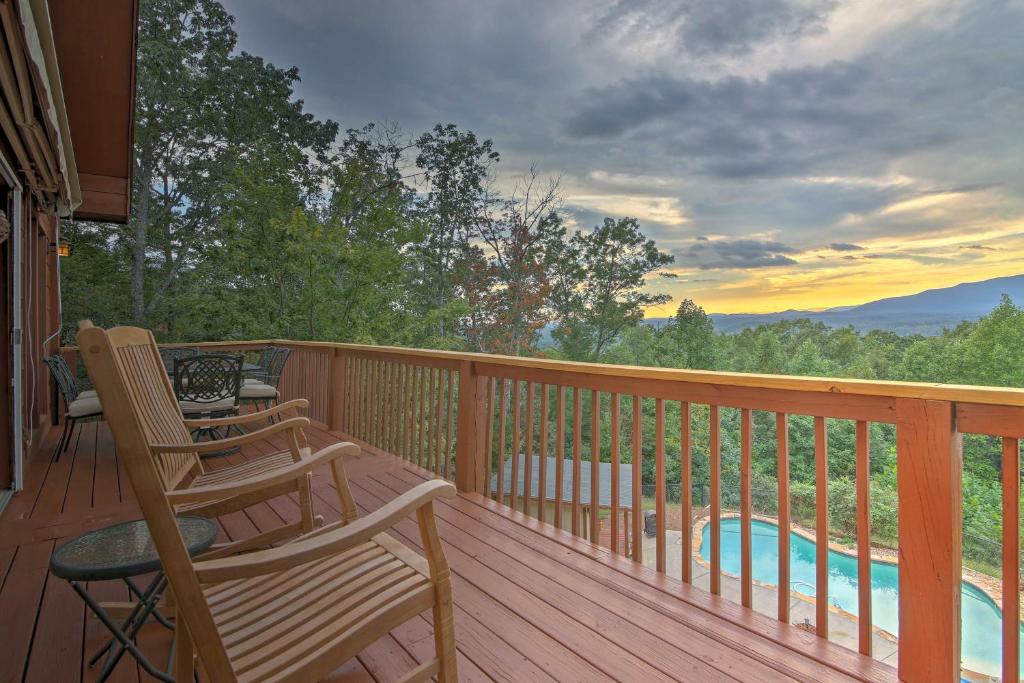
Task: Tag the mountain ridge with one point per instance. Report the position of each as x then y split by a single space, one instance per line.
927 312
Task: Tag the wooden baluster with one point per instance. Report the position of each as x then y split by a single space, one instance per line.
361 400
686 491
782 452
715 456
1011 559
929 461
746 564
449 447
422 455
378 390
616 461
559 453
438 421
528 462
577 441
542 475
595 467
383 416
821 524
516 445
659 484
638 470
490 438
432 421
337 372
396 406
503 410
863 484
408 393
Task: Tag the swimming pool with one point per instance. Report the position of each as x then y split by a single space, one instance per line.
982 620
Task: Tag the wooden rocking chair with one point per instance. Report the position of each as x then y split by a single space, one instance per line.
193 490
290 613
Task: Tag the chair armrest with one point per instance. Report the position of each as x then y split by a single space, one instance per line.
326 543
266 480
294 404
292 423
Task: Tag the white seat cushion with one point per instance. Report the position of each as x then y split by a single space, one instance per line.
258 391
251 380
88 393
85 406
193 407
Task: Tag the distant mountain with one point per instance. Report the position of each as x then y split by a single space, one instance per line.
927 312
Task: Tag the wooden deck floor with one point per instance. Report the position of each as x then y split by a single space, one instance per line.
532 603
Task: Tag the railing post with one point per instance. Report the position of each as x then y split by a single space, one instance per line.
470 466
336 393
929 472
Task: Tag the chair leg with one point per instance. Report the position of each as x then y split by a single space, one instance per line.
60 442
71 432
440 576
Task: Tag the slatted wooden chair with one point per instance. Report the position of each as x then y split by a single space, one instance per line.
289 613
194 490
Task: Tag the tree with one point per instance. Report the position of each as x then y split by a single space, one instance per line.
456 168
694 336
202 112
599 288
515 285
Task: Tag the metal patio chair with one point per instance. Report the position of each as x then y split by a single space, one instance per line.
79 404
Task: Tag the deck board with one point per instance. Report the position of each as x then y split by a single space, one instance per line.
532 603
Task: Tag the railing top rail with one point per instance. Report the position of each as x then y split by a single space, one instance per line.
825 385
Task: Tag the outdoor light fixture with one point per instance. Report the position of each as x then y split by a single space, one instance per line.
62 247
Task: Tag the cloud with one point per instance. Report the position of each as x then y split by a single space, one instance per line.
702 28
736 254
845 246
801 122
978 247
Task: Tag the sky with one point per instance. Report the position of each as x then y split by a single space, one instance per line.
788 153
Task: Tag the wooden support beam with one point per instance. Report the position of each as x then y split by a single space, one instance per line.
471 430
929 472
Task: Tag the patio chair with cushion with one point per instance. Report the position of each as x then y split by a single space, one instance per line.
79 404
263 390
290 613
196 491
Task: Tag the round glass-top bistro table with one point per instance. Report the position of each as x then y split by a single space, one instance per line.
124 551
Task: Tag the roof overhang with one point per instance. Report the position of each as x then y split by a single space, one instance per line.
94 46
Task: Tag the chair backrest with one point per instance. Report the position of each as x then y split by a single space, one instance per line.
276 367
168 356
208 378
152 397
65 379
125 367
266 355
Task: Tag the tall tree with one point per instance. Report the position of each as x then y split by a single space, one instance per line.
522 241
203 111
456 169
599 286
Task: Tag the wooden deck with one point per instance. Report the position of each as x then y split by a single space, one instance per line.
532 603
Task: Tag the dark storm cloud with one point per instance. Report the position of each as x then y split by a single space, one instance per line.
845 246
735 254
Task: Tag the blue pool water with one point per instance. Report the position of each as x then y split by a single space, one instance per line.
982 619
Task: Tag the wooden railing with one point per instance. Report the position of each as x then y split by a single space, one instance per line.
480 420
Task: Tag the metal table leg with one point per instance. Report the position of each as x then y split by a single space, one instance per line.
125 642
